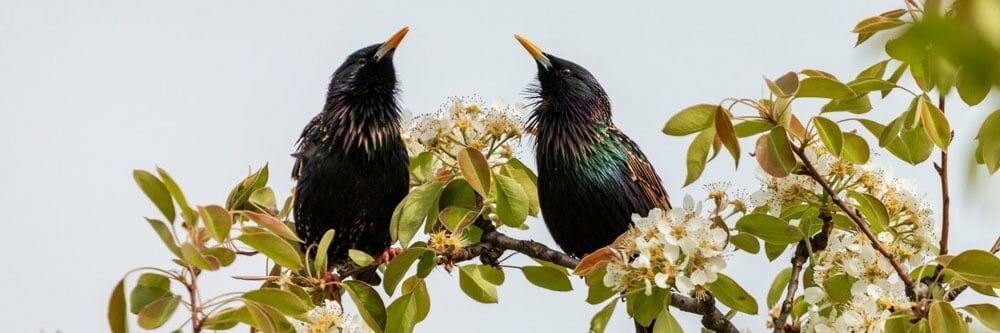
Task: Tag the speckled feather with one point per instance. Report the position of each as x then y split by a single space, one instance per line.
591 176
351 164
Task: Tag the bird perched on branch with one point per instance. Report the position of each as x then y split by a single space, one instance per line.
351 163
591 176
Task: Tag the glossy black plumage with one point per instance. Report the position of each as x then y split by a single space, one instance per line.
591 176
351 164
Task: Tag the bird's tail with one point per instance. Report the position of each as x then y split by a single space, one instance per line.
644 329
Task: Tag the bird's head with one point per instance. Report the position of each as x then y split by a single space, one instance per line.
564 83
369 69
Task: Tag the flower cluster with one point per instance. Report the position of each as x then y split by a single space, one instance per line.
678 249
850 260
329 318
465 122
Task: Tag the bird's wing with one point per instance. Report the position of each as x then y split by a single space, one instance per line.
642 172
305 147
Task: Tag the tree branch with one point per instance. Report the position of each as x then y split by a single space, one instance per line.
942 171
818 243
859 222
493 243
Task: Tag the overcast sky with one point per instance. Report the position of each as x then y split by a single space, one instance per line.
208 89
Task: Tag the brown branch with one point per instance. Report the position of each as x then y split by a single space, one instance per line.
942 171
818 243
493 243
859 222
953 294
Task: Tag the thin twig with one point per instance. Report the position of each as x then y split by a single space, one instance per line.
942 171
802 253
859 222
493 243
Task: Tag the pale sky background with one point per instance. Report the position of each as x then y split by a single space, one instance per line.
207 89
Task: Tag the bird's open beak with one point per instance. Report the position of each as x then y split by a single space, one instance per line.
391 43
535 52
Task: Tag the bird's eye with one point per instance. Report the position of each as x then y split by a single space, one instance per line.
362 61
565 72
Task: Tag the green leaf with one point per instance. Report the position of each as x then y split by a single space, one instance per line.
369 303
830 133
421 167
873 210
474 282
528 180
272 224
148 289
117 317
769 228
360 258
697 154
416 286
225 319
166 236
320 263
745 242
944 319
644 308
512 202
899 322
597 292
778 287
876 23
823 87
455 218
729 293
875 71
175 192
402 314
752 127
911 146
727 134
773 251
274 247
784 86
600 320
691 120
988 314
838 288
857 105
547 277
774 153
855 149
988 137
894 78
666 323
976 266
413 210
866 85
935 123
217 220
398 267
971 87
263 199
475 169
283 301
224 256
906 49
241 193
157 313
194 257
157 192
266 318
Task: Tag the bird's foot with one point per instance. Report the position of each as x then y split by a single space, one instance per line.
388 255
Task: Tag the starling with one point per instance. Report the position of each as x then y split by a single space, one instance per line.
351 163
591 176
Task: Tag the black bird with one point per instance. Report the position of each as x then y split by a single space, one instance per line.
591 176
351 163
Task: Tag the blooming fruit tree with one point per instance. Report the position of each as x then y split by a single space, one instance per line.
868 253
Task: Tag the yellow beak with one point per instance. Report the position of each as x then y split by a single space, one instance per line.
534 51
391 43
